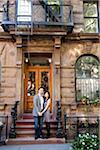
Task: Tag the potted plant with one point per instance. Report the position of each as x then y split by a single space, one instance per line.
85 142
85 100
95 101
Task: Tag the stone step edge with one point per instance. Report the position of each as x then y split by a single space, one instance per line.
30 132
33 141
32 126
32 120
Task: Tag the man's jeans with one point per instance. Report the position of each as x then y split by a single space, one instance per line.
38 125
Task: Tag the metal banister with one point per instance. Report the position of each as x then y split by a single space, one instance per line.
12 133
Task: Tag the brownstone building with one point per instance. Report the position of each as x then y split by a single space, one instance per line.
54 44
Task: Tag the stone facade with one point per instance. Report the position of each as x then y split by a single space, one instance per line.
65 51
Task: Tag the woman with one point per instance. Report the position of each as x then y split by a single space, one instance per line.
46 112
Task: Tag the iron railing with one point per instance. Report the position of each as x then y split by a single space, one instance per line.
4 128
8 125
75 125
12 132
43 14
59 133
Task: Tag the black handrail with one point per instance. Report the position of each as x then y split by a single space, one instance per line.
4 129
59 133
12 133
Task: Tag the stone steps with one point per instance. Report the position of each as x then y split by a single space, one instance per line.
25 127
31 140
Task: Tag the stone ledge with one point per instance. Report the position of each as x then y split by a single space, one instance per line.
83 36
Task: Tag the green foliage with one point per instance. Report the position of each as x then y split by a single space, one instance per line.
87 66
95 101
55 5
86 100
57 2
85 142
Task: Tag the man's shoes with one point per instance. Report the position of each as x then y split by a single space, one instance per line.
47 136
36 137
41 136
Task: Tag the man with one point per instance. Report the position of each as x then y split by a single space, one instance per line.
38 103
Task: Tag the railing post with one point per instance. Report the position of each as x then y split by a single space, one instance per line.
12 133
1 141
6 127
3 130
77 126
99 132
65 134
59 133
7 10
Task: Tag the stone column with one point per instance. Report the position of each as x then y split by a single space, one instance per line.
57 45
57 63
19 73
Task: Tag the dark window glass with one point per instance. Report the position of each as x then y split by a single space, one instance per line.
91 17
53 10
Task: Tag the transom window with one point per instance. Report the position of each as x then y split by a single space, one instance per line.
87 78
91 17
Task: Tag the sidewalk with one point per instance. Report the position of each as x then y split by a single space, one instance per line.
37 147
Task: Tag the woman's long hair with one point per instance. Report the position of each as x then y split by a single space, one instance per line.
48 94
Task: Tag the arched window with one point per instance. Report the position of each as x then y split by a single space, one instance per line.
88 78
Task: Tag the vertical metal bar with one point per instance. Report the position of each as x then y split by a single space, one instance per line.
31 17
7 10
99 132
88 125
99 83
6 127
77 132
98 17
71 14
45 12
61 11
65 119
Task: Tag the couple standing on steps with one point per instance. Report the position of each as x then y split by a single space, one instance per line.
41 112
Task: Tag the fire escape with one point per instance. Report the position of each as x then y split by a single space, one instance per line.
41 14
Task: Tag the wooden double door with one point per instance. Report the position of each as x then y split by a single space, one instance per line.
35 77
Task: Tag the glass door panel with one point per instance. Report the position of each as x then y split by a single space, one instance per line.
44 80
31 91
